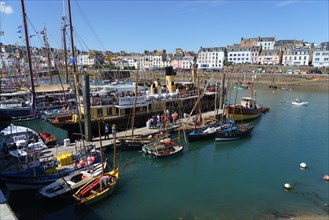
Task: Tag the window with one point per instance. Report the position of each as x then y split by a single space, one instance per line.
100 112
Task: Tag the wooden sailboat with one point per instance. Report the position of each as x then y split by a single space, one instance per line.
94 190
234 132
247 109
170 147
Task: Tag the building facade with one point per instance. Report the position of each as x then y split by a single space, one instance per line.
321 55
211 58
296 56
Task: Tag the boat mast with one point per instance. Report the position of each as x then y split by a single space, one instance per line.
65 50
48 54
100 145
114 146
75 73
134 109
28 56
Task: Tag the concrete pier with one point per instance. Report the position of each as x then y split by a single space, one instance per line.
5 211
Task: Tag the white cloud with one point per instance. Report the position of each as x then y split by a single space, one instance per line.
285 3
5 9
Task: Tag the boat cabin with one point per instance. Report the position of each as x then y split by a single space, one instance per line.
248 102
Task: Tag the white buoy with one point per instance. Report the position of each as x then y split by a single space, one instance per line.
287 186
303 165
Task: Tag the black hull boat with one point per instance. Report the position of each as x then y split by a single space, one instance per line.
234 133
209 131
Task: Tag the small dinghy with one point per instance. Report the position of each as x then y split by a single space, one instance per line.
299 102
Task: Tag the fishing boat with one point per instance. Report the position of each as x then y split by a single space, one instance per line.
15 137
299 102
246 110
15 104
34 171
48 139
72 181
234 133
209 131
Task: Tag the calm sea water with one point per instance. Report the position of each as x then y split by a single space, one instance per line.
218 180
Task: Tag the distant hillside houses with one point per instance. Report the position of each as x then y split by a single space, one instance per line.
259 50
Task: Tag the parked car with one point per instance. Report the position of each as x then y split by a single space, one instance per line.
314 72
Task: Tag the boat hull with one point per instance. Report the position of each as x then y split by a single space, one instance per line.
8 114
75 180
207 132
89 193
240 113
299 103
234 134
21 182
164 153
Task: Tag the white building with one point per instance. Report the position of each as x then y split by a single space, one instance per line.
321 55
85 60
133 62
267 43
154 60
211 58
296 56
240 55
187 62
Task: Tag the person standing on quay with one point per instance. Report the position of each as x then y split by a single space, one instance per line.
106 131
113 130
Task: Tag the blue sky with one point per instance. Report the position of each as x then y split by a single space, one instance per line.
135 26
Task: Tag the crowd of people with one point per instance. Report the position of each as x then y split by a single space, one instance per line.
157 121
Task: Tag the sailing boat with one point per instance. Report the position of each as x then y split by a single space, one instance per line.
247 109
168 147
94 190
234 132
20 105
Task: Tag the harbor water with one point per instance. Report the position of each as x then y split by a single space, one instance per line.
240 179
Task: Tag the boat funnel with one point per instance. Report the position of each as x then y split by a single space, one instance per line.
170 74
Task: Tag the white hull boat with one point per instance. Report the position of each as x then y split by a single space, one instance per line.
299 103
72 182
